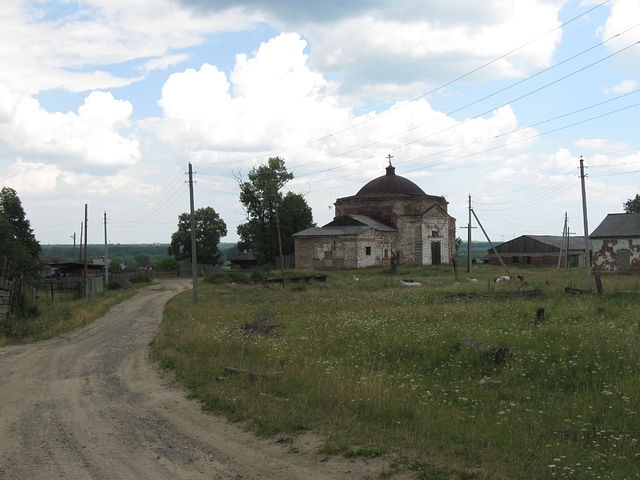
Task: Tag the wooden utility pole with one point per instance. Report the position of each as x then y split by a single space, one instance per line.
86 246
106 251
81 241
587 243
565 237
469 262
194 260
490 243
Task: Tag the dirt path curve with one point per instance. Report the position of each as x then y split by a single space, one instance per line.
90 405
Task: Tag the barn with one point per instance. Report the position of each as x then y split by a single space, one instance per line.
615 243
540 250
389 217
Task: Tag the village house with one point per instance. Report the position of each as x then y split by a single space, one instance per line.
615 243
390 218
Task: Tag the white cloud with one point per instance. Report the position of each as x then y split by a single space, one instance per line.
88 138
622 28
69 45
375 49
625 86
270 101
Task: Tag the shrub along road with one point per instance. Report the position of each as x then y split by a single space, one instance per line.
91 405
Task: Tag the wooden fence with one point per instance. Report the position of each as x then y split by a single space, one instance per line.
51 288
9 290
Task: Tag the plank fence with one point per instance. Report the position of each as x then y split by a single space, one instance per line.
51 288
9 290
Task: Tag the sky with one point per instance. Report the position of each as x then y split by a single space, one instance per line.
105 103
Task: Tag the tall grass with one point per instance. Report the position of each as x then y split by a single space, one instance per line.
47 318
376 368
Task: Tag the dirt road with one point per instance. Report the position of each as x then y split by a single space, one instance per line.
90 405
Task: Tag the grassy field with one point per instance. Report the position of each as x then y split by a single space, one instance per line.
378 368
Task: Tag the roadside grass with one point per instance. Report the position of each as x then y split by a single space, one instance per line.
377 368
47 318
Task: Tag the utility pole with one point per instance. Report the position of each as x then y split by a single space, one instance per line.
565 236
489 240
194 260
74 245
469 249
106 251
86 246
81 241
587 243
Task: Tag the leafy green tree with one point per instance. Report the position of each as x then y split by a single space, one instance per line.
143 261
271 217
17 240
209 228
295 215
632 205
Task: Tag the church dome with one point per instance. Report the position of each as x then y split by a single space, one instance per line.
390 184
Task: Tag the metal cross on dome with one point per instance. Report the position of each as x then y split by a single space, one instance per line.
389 157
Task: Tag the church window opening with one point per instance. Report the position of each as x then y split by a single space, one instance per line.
328 254
367 250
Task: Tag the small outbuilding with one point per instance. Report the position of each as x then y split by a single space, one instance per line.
244 260
540 250
615 243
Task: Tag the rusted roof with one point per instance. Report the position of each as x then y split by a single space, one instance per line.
618 225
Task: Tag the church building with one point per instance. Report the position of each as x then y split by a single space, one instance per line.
389 218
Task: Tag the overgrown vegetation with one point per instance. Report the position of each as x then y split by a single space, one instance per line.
377 368
46 318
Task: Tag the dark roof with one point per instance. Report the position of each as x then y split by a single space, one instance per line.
539 244
244 257
345 225
390 184
559 241
618 225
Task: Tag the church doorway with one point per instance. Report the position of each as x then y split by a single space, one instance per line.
436 256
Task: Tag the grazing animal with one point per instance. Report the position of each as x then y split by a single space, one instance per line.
503 278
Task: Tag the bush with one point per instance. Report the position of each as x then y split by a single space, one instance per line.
167 265
140 278
220 278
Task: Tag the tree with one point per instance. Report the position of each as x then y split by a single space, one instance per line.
295 215
271 218
143 261
632 205
209 227
17 240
